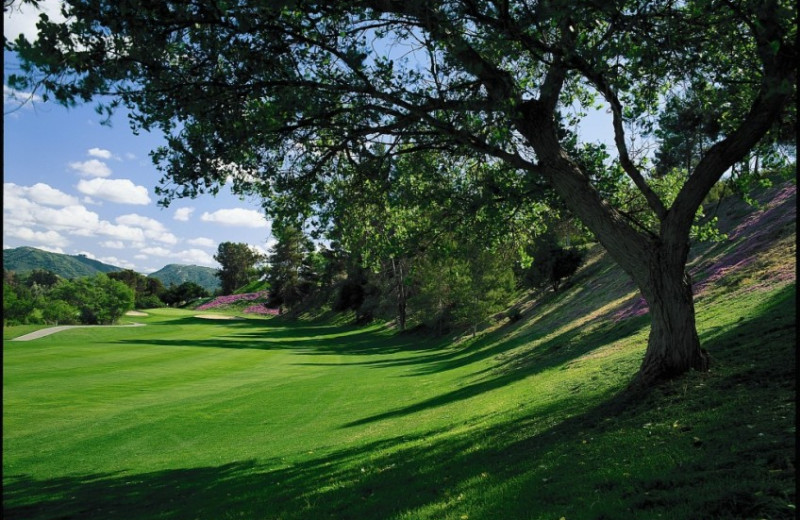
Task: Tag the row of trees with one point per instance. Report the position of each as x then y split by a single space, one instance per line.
43 297
439 282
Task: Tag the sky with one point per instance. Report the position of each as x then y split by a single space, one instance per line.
74 186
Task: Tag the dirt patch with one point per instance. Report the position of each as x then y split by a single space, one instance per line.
217 317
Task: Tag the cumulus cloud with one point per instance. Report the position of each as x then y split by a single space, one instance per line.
113 244
196 257
41 238
91 168
202 242
183 214
40 193
21 210
122 191
152 228
45 247
101 153
156 251
118 262
237 217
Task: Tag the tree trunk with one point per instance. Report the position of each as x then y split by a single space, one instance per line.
399 277
673 346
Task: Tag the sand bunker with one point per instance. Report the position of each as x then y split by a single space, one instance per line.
217 317
136 313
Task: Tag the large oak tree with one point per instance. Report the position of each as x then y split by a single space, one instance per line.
275 96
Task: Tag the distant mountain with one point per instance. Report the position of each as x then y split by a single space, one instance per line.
177 274
26 259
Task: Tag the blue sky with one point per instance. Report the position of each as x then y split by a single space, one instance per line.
74 186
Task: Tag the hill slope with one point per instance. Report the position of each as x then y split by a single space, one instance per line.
177 274
25 259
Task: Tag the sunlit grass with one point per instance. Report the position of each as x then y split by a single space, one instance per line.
266 418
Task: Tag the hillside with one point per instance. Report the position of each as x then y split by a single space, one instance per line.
25 259
177 274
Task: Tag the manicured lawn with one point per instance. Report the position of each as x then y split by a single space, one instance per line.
257 418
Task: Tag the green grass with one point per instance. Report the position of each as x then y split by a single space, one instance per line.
269 419
190 418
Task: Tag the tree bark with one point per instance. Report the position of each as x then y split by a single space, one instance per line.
673 346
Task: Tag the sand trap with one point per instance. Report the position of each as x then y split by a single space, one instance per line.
217 317
136 313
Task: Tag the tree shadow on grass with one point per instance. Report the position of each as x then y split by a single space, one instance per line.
567 457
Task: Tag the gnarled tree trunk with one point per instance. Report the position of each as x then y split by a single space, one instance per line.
673 346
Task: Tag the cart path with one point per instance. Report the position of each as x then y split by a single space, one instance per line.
52 330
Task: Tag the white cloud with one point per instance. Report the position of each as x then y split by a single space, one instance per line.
195 257
21 18
156 251
45 247
202 242
117 262
43 238
113 244
238 217
122 191
21 211
41 193
152 228
91 168
183 214
259 249
101 153
15 99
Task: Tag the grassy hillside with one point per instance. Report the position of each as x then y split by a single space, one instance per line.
24 259
261 418
177 274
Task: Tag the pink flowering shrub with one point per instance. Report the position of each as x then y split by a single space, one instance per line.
261 309
221 301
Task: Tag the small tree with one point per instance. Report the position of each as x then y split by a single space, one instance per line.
291 271
99 299
59 312
185 292
238 261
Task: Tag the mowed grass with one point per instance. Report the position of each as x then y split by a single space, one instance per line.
264 419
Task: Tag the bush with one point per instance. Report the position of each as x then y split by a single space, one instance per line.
551 266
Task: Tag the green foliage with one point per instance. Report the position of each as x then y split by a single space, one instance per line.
59 312
178 295
147 290
99 299
552 264
18 304
461 285
292 271
238 265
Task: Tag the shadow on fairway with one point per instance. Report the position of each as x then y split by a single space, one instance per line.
577 467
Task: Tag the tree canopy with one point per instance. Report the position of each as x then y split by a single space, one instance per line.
283 98
238 265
